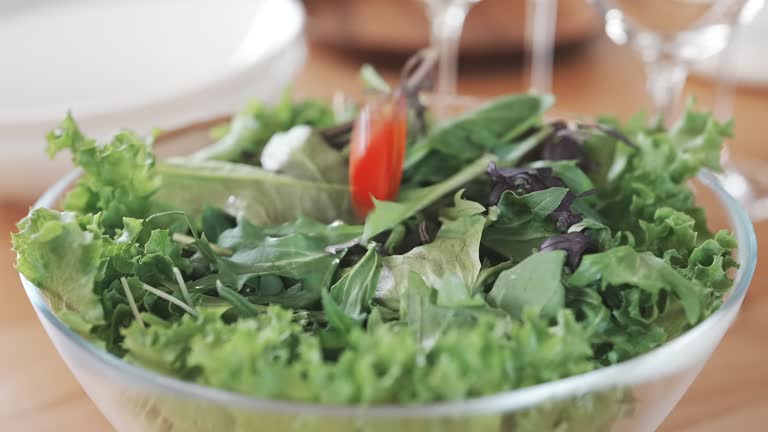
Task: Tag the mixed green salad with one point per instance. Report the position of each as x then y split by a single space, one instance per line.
519 251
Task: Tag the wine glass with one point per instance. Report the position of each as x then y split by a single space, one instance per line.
671 34
446 19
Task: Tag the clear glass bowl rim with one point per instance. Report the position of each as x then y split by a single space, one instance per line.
660 362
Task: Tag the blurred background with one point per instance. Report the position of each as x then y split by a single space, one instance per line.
146 64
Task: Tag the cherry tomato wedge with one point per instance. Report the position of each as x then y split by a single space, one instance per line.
377 149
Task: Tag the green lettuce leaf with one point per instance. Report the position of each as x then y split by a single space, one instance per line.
250 130
622 266
120 177
261 196
61 257
302 153
454 251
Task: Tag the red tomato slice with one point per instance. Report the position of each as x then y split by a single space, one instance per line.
377 150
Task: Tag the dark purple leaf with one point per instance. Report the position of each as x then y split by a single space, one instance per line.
574 244
566 142
522 181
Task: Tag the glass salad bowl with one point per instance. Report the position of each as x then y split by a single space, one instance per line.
635 395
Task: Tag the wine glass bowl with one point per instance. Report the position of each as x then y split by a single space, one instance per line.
671 34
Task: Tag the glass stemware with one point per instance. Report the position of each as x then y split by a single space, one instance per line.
446 18
671 34
540 26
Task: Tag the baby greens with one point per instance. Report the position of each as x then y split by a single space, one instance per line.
519 252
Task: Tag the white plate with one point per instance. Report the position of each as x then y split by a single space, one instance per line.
137 64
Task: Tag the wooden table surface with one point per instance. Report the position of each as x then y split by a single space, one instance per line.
38 394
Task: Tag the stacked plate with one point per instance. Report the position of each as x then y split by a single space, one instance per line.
137 64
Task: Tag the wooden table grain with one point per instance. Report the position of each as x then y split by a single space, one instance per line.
38 394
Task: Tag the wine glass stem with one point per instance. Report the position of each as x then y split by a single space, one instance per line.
540 26
665 80
447 21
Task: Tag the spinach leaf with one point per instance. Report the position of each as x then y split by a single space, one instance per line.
356 288
533 283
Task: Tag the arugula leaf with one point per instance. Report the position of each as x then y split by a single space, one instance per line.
526 180
465 138
265 197
215 221
299 257
338 319
62 258
160 243
239 303
534 282
388 214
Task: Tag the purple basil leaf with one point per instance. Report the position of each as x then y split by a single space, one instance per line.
522 181
574 244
